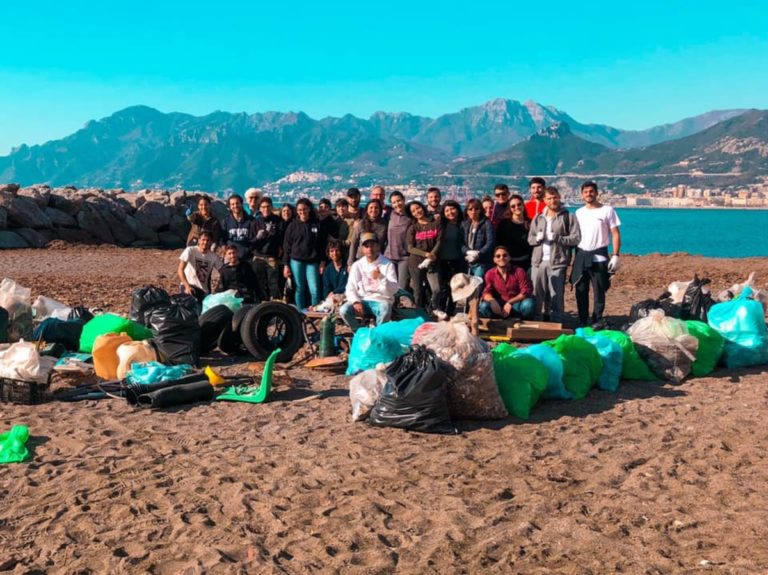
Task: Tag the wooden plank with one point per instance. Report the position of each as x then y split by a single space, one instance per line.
528 333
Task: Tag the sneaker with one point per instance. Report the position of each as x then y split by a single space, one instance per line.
441 315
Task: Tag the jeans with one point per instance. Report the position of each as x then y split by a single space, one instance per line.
478 270
380 309
306 277
549 290
523 309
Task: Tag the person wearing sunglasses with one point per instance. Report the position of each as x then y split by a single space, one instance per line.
512 232
508 291
554 234
479 239
536 204
501 204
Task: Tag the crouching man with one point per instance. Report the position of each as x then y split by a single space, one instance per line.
371 286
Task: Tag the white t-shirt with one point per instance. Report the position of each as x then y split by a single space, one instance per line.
546 245
200 267
596 225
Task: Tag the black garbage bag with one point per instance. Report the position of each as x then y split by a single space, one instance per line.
415 395
643 308
177 395
697 300
177 332
144 300
4 320
65 332
80 313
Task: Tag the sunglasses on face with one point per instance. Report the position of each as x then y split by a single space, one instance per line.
501 256
516 205
501 194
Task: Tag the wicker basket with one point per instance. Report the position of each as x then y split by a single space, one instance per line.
25 392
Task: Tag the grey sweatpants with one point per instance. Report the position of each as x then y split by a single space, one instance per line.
549 290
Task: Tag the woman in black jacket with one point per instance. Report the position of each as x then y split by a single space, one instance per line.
304 245
512 233
479 239
450 256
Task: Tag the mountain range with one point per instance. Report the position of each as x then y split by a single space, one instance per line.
143 147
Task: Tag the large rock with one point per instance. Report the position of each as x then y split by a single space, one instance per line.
106 203
159 196
59 218
75 236
219 210
142 232
90 220
67 200
170 240
121 231
181 200
179 225
23 212
32 237
153 214
9 189
11 241
133 200
39 194
3 218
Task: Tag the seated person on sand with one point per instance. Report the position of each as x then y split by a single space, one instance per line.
203 220
371 286
335 276
237 275
507 291
196 266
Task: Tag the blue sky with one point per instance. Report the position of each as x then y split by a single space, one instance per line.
633 66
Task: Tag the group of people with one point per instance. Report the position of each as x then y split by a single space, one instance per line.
515 251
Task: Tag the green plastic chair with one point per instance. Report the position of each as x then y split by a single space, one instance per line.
251 393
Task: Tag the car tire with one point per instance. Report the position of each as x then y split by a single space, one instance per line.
272 325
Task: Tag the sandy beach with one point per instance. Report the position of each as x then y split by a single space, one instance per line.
657 478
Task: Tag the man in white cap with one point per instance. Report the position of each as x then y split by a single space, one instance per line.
252 199
371 286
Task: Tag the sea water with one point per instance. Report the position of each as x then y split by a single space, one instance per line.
718 233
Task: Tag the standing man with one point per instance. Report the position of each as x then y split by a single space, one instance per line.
353 203
266 243
536 204
553 234
501 204
397 245
371 286
237 227
252 199
434 197
599 225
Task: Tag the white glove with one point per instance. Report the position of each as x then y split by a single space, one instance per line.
472 255
613 265
550 236
540 236
425 264
261 234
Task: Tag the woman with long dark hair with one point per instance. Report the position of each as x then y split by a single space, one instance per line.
512 233
479 238
304 245
423 241
450 256
372 221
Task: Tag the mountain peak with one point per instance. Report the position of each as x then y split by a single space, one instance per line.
555 130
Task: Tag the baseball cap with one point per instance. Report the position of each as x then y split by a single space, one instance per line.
368 237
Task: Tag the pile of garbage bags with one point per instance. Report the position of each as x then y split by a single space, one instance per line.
421 376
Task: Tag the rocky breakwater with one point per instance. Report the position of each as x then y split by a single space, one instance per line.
35 216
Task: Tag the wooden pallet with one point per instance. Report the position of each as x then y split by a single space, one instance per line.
517 330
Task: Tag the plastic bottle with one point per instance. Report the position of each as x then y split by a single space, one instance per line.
133 352
327 333
105 359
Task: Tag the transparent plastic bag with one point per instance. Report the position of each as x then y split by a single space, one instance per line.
451 341
22 361
228 298
665 345
45 307
742 323
365 389
16 299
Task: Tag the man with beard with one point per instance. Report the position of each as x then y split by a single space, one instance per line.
536 204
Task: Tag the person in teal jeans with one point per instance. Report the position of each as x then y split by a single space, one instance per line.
304 245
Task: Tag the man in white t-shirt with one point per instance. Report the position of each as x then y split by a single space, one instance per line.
599 225
371 285
196 266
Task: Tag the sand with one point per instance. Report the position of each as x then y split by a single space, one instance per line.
656 478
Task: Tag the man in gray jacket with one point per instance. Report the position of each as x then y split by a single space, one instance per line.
553 234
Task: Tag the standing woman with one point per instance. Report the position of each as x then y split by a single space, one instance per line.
397 248
479 239
450 256
372 221
287 213
423 241
203 220
512 233
304 252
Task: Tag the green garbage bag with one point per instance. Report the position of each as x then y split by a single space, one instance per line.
581 363
111 323
633 366
711 345
611 356
521 379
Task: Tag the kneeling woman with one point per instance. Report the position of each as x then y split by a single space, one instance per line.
508 291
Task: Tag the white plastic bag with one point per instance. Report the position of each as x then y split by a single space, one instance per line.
45 307
228 298
365 388
665 345
21 361
16 300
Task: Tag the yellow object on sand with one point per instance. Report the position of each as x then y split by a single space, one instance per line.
213 377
